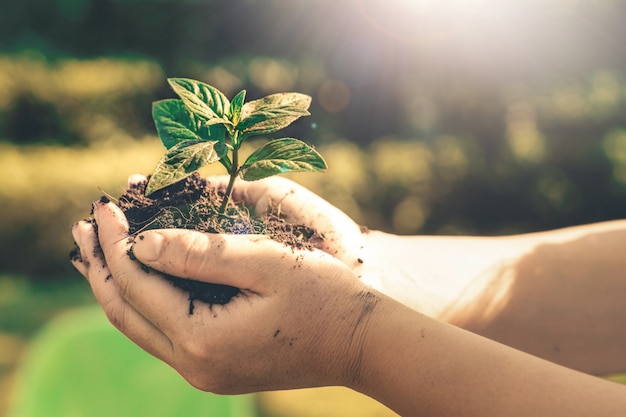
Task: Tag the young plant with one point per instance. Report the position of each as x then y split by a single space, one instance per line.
203 127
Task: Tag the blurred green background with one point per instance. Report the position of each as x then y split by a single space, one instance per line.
436 117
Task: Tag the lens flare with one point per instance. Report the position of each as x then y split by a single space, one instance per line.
427 21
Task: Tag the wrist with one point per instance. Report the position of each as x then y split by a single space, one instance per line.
391 354
394 266
368 304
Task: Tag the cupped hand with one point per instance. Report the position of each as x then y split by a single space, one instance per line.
343 238
299 321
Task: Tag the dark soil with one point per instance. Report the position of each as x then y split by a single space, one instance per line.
194 204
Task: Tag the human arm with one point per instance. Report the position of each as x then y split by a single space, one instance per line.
555 294
304 320
420 366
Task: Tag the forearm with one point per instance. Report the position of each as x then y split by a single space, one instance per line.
558 294
564 299
419 366
436 275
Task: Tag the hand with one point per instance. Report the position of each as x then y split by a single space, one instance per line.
298 322
371 255
343 237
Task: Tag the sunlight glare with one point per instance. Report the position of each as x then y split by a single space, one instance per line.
426 21
434 7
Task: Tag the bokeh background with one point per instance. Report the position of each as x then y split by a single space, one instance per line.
435 116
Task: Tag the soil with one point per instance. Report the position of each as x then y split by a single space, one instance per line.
193 203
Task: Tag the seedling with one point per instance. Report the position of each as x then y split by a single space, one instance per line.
204 127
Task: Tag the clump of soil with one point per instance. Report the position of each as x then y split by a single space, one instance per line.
193 203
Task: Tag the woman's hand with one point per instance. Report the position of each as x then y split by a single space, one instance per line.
298 322
342 236
370 255
303 320
438 276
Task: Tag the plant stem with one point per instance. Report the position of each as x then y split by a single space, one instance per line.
233 176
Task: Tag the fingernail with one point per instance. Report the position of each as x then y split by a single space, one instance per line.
77 232
148 246
96 205
135 179
75 255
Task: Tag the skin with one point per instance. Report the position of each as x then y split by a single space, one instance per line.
534 292
385 315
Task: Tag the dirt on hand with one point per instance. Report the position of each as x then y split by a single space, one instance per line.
193 203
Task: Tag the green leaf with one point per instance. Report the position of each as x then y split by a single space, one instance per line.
272 113
226 163
182 160
173 122
279 156
235 107
221 148
213 132
203 100
224 149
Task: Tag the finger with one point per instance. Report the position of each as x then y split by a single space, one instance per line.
135 179
219 181
123 316
249 262
147 292
343 238
257 194
239 192
294 202
80 261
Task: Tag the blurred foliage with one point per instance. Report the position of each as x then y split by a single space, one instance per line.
24 306
527 158
490 120
46 189
75 102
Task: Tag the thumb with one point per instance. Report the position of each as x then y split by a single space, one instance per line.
235 260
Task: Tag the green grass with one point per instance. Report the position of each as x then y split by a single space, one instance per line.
81 365
26 304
